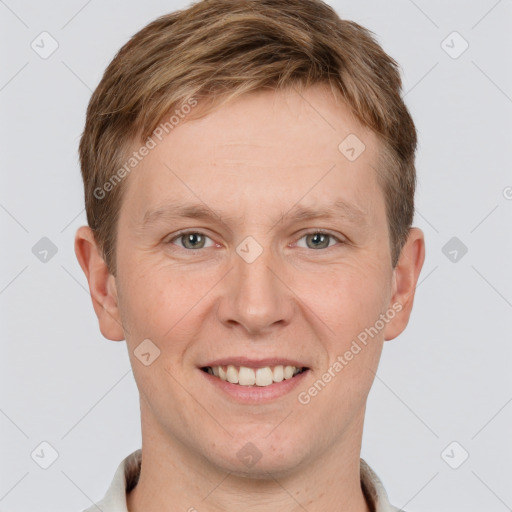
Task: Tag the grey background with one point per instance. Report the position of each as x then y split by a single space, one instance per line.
447 378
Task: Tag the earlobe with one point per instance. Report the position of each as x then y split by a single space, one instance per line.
102 285
405 279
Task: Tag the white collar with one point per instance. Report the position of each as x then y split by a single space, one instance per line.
127 475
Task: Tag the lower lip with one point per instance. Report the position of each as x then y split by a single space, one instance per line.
256 394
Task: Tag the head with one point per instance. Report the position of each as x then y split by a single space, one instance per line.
281 130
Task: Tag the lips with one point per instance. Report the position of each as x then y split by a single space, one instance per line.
261 376
252 373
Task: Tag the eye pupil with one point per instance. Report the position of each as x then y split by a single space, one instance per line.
192 238
320 239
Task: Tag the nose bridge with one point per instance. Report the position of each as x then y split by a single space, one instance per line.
256 298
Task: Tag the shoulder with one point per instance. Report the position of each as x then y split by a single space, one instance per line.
125 478
374 490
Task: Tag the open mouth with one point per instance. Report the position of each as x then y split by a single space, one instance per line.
245 376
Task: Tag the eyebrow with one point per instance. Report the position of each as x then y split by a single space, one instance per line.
337 209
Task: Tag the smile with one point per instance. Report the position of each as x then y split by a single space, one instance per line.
246 376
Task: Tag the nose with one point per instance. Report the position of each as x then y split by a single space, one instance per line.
255 295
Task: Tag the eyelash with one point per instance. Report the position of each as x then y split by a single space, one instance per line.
314 232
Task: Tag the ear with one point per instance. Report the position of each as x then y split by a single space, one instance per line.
102 285
405 279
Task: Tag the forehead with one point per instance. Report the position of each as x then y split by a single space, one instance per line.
260 148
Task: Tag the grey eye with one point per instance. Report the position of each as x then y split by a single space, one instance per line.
319 240
191 240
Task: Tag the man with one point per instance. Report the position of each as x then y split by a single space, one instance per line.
249 185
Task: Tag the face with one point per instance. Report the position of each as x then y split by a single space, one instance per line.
251 249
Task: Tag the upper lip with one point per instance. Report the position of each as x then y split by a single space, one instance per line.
254 363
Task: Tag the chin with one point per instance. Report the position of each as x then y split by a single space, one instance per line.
259 457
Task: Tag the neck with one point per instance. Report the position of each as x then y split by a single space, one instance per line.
172 478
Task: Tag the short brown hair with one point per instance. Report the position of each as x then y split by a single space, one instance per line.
225 48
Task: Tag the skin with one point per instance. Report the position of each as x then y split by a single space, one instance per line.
250 161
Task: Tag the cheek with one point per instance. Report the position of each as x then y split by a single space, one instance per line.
153 302
349 299
350 305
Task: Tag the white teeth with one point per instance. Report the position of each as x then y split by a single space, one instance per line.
245 376
232 374
288 371
264 376
278 373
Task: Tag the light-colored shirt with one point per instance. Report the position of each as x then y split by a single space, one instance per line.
127 476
